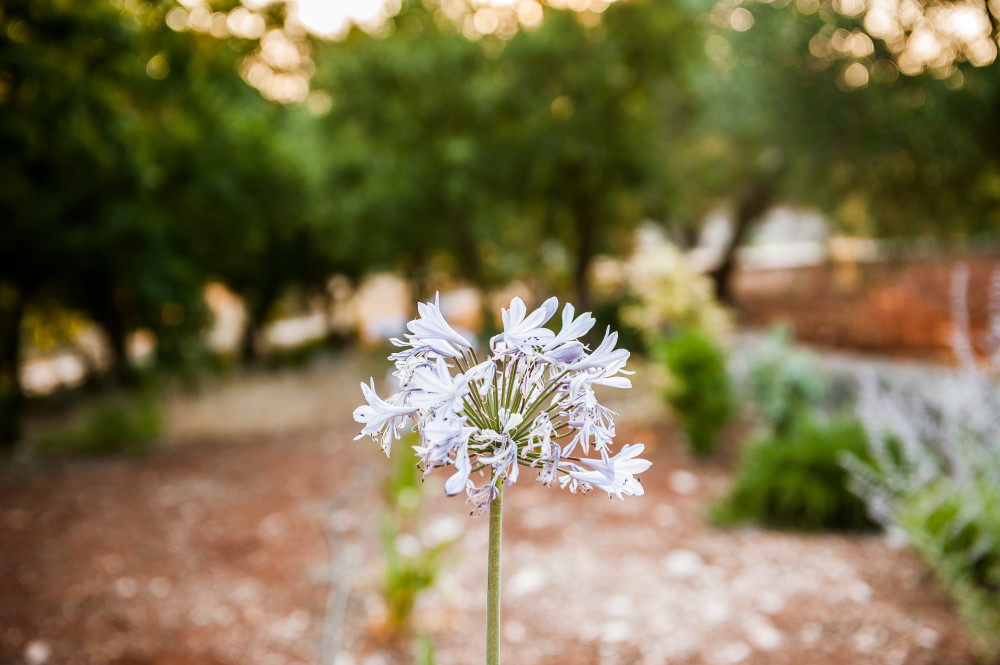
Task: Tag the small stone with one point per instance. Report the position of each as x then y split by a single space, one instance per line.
683 563
126 587
684 482
619 606
112 563
895 538
442 530
732 653
271 526
344 658
770 602
297 623
896 657
514 632
870 638
527 581
665 515
810 633
762 634
37 652
159 587
860 592
408 545
714 610
616 631
928 638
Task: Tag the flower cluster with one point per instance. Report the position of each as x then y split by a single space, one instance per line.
668 291
530 403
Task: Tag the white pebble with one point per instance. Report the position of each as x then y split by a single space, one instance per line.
770 602
860 592
811 632
714 610
928 638
683 563
684 482
868 639
527 581
126 587
37 652
616 631
619 606
408 546
665 515
514 632
762 633
732 653
159 587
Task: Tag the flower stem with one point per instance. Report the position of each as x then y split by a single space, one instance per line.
493 583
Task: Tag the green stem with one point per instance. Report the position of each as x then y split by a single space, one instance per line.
493 583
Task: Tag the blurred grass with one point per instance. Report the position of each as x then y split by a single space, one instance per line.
108 426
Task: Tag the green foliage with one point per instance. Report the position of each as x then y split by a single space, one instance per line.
932 470
522 145
784 384
136 164
700 393
411 564
423 652
958 534
109 426
794 479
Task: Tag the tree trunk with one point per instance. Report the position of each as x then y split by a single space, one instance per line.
584 252
248 342
121 371
469 260
256 315
753 203
11 391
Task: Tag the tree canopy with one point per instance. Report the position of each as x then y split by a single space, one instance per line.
138 161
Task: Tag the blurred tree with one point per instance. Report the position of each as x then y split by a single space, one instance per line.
583 105
551 135
78 175
134 165
804 107
408 156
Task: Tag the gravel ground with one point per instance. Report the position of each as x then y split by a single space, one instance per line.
250 536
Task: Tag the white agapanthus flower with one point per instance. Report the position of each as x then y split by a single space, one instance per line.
530 403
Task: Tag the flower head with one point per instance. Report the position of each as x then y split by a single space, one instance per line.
530 403
431 332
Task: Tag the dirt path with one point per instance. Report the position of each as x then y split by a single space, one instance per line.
222 546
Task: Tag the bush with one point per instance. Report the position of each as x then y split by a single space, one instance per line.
794 480
700 391
932 472
667 293
109 426
964 541
784 384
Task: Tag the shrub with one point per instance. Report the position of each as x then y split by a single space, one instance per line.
109 426
700 391
793 479
933 472
783 383
667 293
